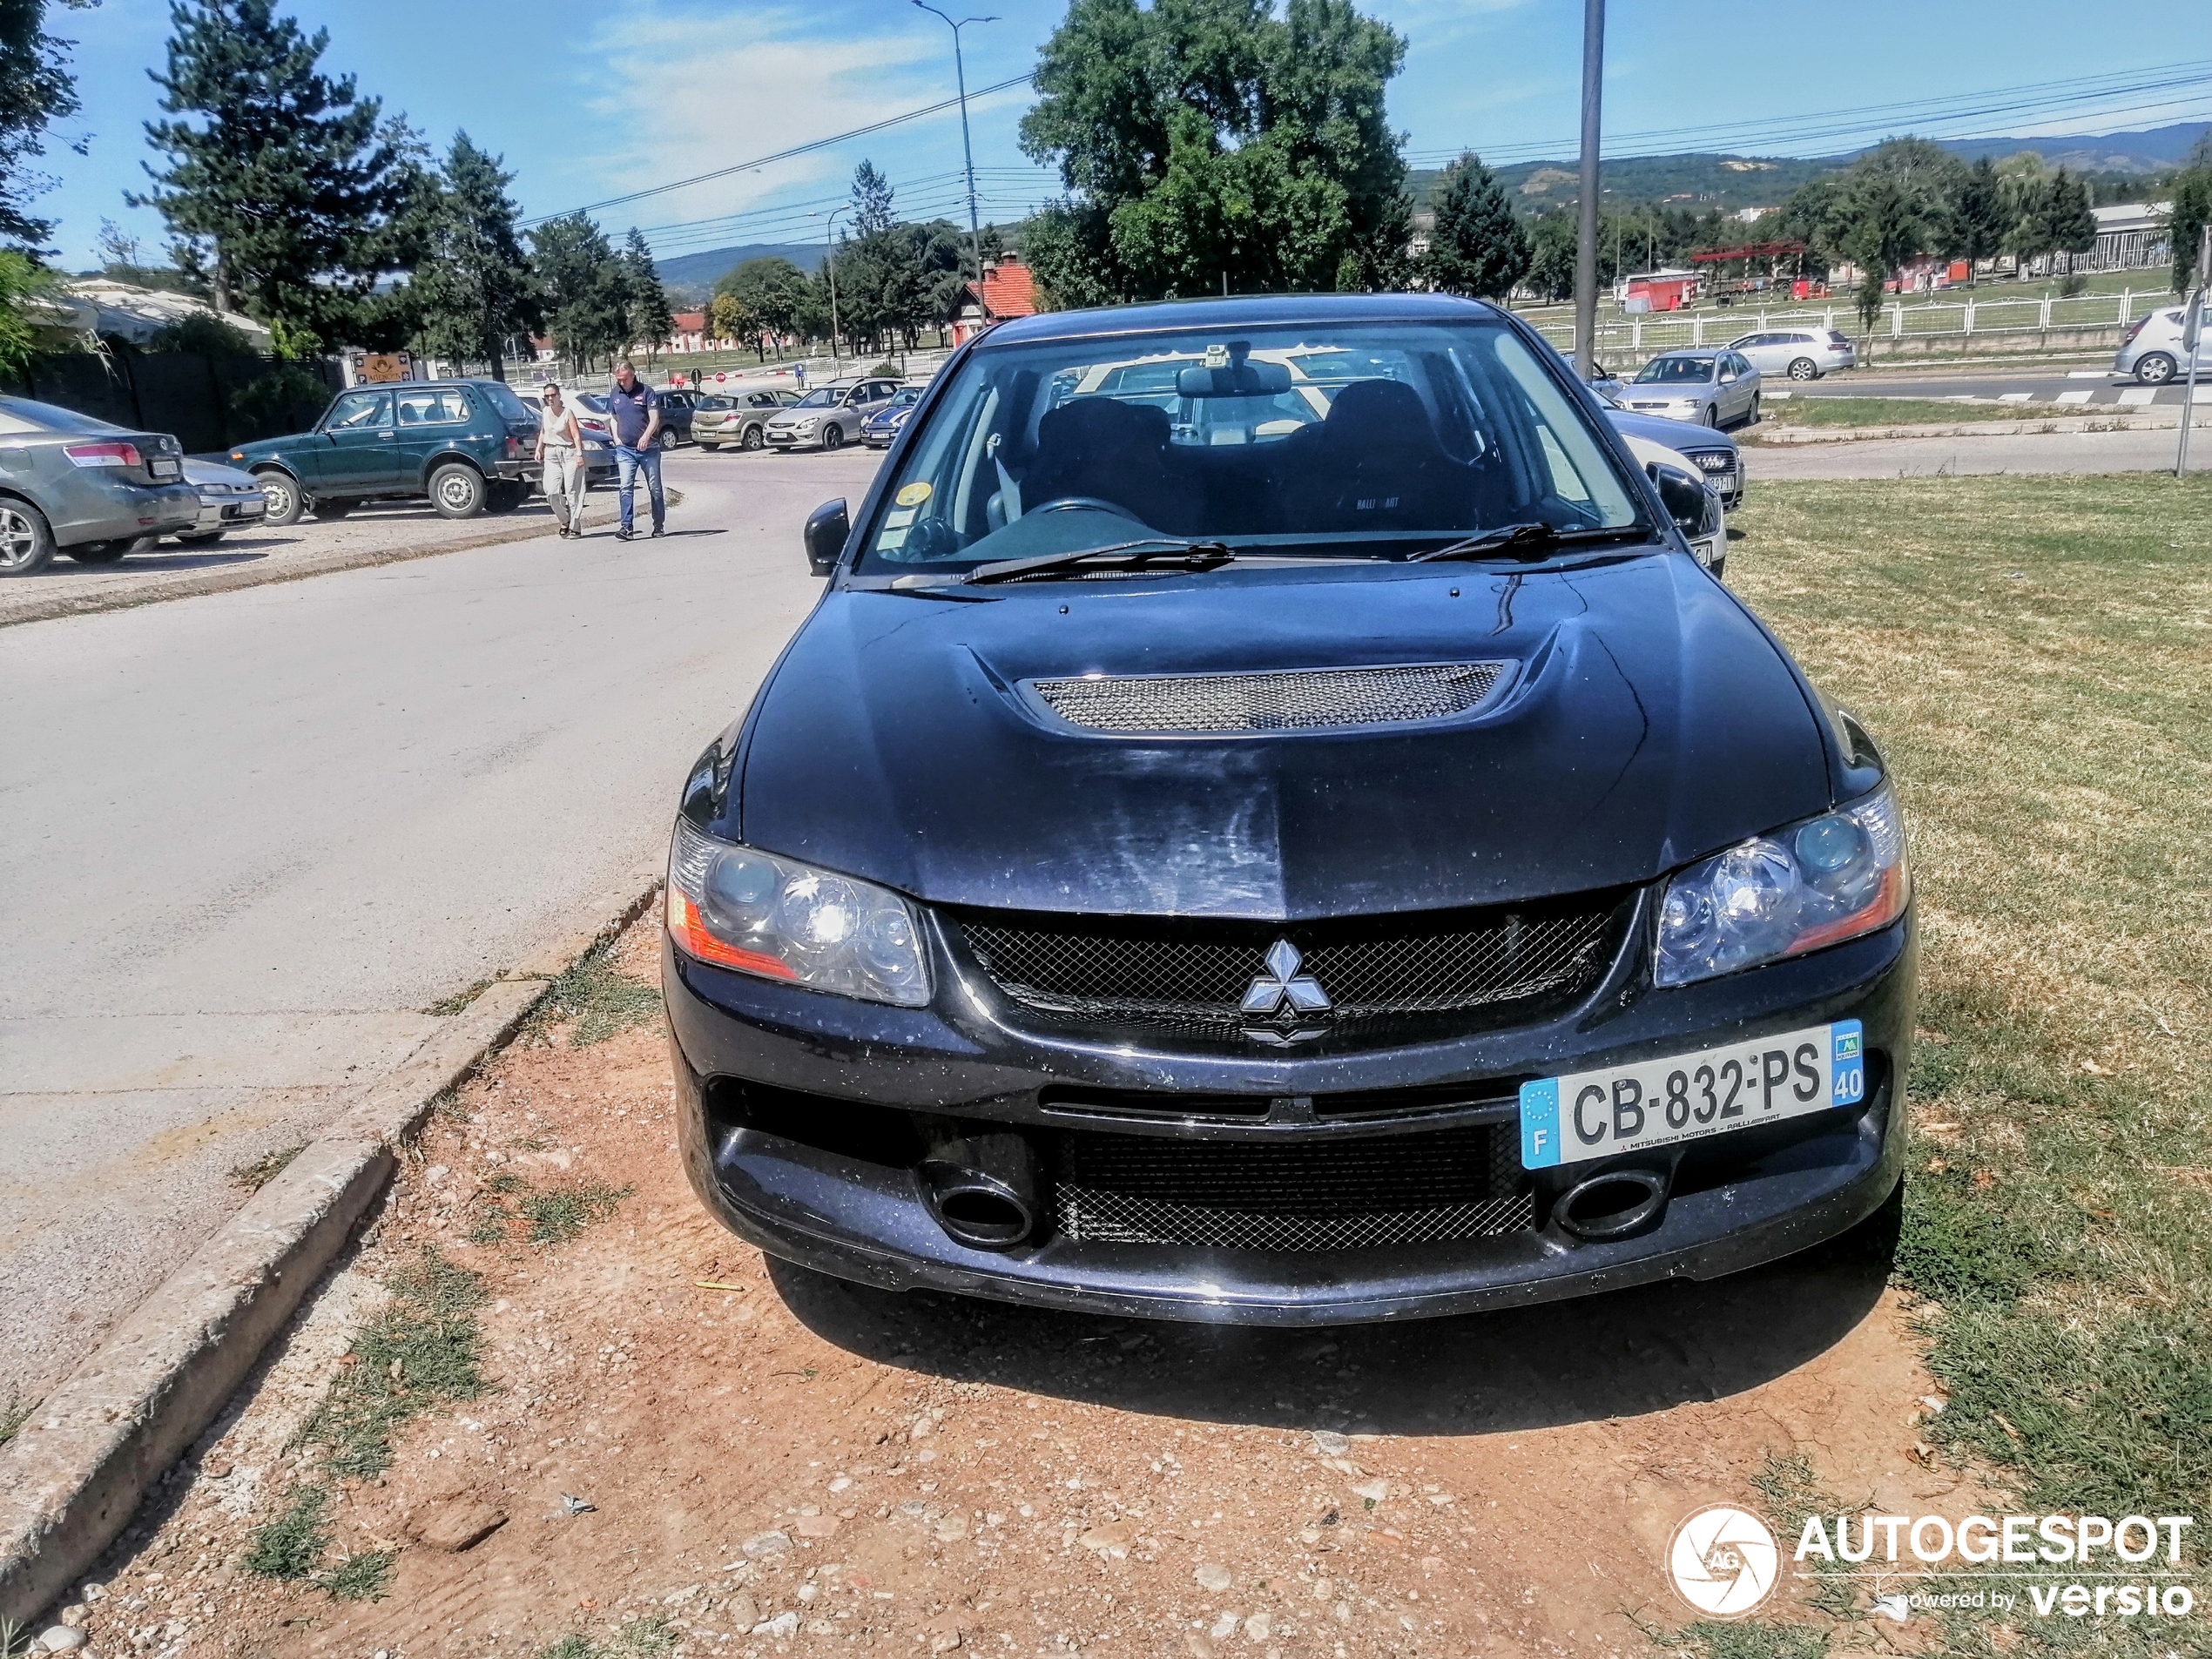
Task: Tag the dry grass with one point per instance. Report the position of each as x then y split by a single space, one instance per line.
1895 411
2036 658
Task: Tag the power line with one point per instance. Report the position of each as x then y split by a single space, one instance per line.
780 155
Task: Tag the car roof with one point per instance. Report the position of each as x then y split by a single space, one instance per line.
1163 316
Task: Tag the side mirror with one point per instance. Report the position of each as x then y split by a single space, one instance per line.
827 526
1691 503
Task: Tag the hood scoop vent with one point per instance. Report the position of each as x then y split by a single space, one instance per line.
1288 700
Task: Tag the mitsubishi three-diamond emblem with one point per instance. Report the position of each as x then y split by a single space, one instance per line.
1281 989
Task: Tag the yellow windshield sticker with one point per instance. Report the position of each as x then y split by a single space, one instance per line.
914 495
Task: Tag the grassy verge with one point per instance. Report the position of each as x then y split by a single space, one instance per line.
596 1001
1899 411
2035 657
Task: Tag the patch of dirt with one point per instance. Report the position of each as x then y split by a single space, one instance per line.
776 1463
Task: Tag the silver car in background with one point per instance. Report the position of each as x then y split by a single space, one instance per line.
1714 388
1800 354
2153 351
229 500
72 484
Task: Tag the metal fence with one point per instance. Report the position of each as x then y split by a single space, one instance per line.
1631 340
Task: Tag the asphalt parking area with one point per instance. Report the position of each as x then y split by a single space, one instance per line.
638 1436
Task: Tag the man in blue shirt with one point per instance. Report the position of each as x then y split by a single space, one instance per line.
633 410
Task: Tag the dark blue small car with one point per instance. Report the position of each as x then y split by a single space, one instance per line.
880 427
1270 822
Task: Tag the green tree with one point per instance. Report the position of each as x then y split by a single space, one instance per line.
872 210
773 292
582 291
1478 247
1205 139
728 319
280 180
36 90
2190 191
474 286
1981 217
1551 256
31 320
652 324
1894 206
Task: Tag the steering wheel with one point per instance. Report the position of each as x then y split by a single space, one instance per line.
1083 503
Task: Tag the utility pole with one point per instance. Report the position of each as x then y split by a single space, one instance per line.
960 70
2193 343
1586 224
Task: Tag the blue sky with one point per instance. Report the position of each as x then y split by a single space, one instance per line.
588 101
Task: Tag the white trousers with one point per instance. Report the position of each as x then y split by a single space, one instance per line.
566 479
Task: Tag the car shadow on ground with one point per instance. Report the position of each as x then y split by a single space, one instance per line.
149 563
1620 1354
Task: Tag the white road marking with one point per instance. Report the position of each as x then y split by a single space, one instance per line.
2137 395
1779 395
2016 397
2075 397
2202 393
2085 373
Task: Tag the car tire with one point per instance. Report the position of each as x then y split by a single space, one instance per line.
100 552
1804 369
281 491
458 490
332 509
2154 368
504 497
1753 419
752 438
1713 416
709 448
202 538
668 439
832 439
26 543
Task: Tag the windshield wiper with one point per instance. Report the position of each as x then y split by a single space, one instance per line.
1529 542
1140 555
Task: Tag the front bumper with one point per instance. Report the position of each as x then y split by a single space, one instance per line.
1734 1201
228 513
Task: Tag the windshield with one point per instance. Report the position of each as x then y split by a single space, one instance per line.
503 399
1343 437
822 397
1675 371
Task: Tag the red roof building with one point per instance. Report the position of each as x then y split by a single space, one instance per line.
1006 289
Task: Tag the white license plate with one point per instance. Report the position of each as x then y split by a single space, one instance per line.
159 468
1681 1097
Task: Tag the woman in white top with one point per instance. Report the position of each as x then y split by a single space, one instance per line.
560 446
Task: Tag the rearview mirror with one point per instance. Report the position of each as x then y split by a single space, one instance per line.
827 528
1693 504
1246 379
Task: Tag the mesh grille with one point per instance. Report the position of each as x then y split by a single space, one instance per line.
1193 980
1291 701
1455 1185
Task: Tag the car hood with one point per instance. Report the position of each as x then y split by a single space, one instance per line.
213 472
1657 429
1642 720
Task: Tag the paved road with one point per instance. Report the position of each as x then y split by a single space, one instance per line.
2085 387
252 835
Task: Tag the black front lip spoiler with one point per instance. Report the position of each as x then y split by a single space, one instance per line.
868 1222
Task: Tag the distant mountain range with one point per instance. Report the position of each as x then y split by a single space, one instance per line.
692 276
1706 180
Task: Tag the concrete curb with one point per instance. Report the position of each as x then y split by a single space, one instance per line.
72 1479
49 606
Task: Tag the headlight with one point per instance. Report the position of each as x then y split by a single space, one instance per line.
804 421
737 908
1829 879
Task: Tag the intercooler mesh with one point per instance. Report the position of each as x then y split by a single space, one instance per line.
1450 1186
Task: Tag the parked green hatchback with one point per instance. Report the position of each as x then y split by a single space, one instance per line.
466 445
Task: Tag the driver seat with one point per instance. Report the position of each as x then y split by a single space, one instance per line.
1113 451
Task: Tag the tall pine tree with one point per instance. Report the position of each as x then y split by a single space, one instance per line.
1478 247
645 301
280 181
872 210
584 293
474 287
1981 217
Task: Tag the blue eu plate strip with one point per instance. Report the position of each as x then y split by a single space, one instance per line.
1850 1064
1539 1123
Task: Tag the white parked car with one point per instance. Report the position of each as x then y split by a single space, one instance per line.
1801 354
1715 388
2153 351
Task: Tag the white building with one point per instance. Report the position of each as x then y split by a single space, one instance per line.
98 306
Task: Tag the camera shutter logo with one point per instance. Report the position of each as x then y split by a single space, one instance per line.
1724 1562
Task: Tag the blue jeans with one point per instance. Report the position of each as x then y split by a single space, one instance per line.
627 464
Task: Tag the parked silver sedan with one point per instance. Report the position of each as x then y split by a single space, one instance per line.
1713 388
76 485
1801 353
229 500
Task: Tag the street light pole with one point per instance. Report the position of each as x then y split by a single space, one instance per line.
2193 343
829 264
968 151
1586 219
